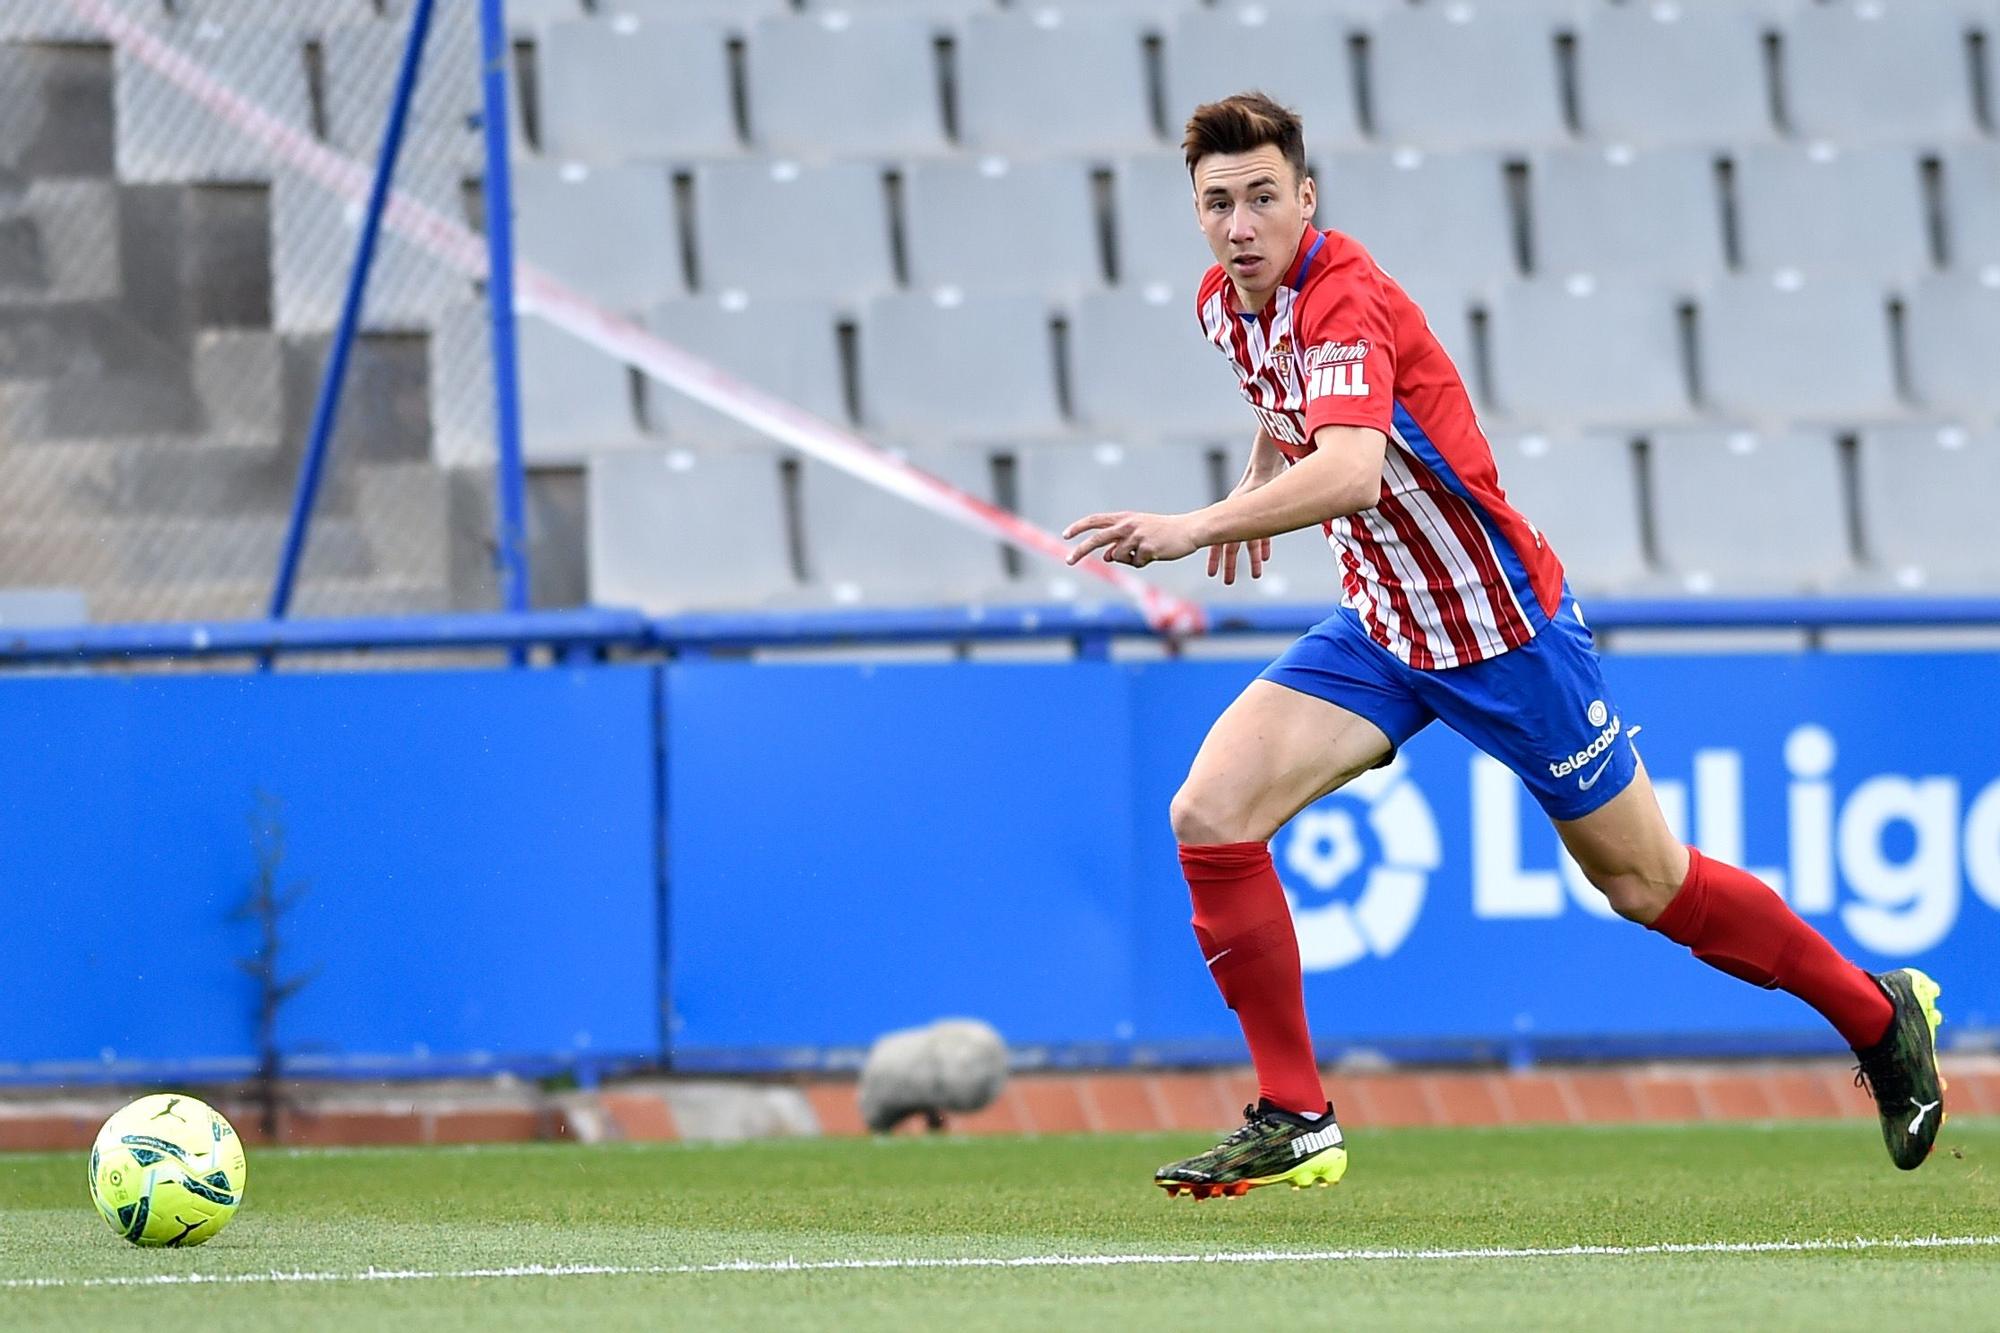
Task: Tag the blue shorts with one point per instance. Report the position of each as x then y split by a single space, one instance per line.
1541 709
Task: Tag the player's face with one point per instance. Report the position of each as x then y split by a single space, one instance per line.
1253 208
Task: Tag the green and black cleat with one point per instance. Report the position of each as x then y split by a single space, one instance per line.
1901 1070
1273 1147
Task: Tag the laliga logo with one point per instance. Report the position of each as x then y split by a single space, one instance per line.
1326 845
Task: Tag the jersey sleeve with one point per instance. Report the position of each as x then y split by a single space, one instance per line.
1347 350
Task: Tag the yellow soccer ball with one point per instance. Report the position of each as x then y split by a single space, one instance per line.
167 1170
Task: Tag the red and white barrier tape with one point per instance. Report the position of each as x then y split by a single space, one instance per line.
537 292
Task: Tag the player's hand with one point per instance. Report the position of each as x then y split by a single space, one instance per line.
1132 539
1223 558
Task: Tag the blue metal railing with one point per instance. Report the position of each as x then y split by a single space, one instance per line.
1092 628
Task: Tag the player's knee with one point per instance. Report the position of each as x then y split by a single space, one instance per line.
1202 814
1634 894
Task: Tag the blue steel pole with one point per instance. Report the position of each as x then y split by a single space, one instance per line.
508 520
326 411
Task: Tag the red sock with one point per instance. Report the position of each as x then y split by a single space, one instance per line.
1245 931
1736 924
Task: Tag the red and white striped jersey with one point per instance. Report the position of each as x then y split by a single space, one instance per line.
1443 571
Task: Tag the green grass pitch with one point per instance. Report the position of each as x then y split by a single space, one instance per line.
441 1214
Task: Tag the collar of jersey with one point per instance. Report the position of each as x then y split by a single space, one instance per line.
1310 245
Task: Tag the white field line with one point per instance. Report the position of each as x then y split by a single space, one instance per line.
1027 1261
538 292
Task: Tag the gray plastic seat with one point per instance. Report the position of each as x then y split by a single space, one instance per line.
1814 351
840 83
1582 351
1465 75
165 135
1139 362
738 14
965 220
661 522
1688 72
778 228
1613 210
1058 483
1951 328
1869 72
310 17
1735 510
1053 80
313 239
1297 56
784 346
1437 222
1582 491
1972 208
945 366
1852 214
361 63
1924 490
625 89
1156 236
865 546
939 11
575 401
609 231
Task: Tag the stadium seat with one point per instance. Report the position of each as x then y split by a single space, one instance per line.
300 16
1155 234
1437 222
1615 210
658 518
784 346
1924 490
1298 56
777 228
1582 491
1972 208
1831 212
45 21
941 365
1052 81
1584 351
1810 351
738 14
609 231
361 63
1714 518
1139 362
1689 73
864 546
840 83
313 240
965 220
164 135
1464 75
627 89
1951 328
575 400
1056 484
1863 71
940 11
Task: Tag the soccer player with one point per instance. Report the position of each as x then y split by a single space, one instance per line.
1453 607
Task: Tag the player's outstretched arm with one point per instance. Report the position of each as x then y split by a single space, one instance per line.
1266 464
1342 476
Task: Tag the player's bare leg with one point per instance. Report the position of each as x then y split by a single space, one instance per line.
1736 923
1271 753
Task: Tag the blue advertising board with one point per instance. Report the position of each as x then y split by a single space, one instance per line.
475 848
860 848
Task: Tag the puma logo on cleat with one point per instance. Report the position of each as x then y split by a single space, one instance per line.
1315 1141
1923 1109
1219 957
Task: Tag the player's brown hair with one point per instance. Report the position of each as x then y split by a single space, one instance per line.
1241 123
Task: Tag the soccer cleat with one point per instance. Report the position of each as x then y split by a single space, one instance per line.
1273 1147
1901 1070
